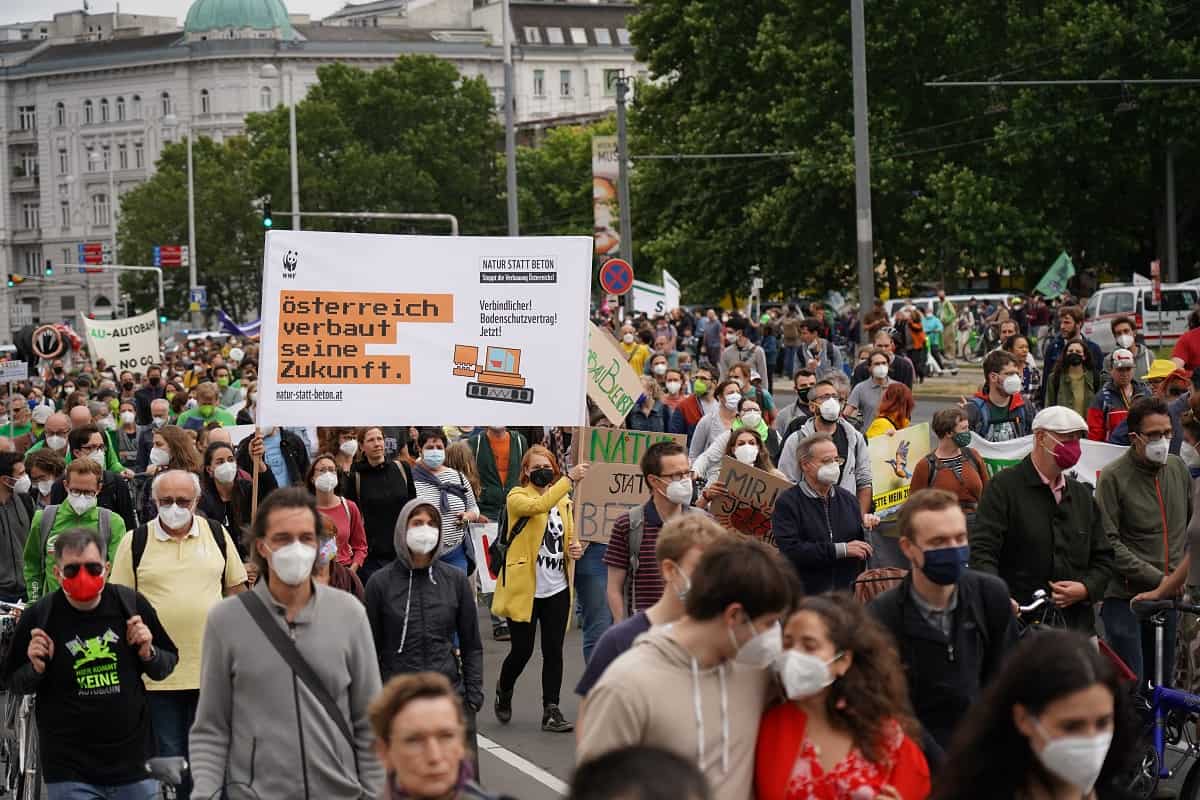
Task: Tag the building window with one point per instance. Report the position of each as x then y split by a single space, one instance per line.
554 35
139 155
205 102
120 109
166 103
602 35
579 36
137 106
29 164
27 118
64 161
60 114
100 209
68 256
90 160
29 215
539 83
264 99
64 219
105 158
104 109
532 35
68 303
623 36
564 83
122 157
610 82
33 262
88 112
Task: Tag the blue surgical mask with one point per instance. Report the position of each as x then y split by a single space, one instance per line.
945 565
433 458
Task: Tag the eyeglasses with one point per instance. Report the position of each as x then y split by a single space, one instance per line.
677 476
1154 436
94 568
182 502
839 461
81 493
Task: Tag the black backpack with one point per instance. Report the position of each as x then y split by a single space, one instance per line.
969 452
498 550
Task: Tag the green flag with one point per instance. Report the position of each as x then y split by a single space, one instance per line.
1054 282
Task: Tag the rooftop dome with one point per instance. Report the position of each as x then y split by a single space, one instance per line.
238 18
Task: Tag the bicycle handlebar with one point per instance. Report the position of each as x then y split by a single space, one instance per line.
1039 600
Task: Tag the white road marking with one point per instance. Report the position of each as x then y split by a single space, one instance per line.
522 765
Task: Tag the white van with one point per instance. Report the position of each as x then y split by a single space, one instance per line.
1137 300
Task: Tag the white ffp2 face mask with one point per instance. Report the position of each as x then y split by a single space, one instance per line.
746 453
1189 454
1078 760
226 472
1012 384
422 539
1158 451
830 408
828 474
293 563
762 649
326 482
804 674
349 447
174 517
679 492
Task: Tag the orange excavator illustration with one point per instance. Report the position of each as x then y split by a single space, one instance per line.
499 376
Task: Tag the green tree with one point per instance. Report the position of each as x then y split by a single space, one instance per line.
229 235
554 181
964 181
414 136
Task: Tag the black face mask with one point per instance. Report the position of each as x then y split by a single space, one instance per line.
802 394
127 386
153 380
541 477
1074 360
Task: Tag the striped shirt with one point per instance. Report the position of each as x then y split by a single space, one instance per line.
647 582
452 532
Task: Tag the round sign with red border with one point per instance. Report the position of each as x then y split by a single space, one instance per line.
616 276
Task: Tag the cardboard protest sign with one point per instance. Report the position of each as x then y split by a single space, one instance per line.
130 344
893 459
611 383
1093 457
614 482
418 330
482 537
750 499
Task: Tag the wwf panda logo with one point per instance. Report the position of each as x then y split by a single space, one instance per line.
290 260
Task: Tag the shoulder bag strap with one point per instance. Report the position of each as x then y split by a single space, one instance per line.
287 650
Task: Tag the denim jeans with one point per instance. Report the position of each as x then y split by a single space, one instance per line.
1133 640
172 714
591 586
76 790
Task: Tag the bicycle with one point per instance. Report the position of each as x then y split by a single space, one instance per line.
1050 616
1172 715
22 775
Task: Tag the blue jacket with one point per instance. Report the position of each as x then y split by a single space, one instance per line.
812 533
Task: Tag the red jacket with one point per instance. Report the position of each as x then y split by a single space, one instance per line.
1108 409
780 737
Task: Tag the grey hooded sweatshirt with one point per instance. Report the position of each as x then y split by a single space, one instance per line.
415 613
259 731
657 694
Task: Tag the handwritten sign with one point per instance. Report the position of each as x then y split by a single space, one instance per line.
611 383
750 499
614 484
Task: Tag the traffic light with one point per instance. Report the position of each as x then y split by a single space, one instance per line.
49 268
14 279
162 319
267 221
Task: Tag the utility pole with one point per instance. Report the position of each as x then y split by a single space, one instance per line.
1172 242
626 242
197 317
862 163
292 147
510 134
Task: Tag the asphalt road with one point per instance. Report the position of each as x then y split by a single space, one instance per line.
521 760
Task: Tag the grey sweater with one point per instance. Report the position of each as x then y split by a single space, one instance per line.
258 725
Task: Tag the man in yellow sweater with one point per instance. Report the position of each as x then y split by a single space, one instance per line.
636 347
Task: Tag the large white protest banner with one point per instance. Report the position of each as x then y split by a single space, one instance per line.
130 344
1094 456
423 330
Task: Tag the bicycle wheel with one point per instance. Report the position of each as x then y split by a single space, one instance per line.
31 776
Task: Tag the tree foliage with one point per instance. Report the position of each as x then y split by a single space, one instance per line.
229 237
964 181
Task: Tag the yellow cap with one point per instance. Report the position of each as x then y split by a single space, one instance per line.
1160 368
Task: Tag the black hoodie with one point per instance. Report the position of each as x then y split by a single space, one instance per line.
415 614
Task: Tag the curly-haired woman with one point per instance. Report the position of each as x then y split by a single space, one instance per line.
845 732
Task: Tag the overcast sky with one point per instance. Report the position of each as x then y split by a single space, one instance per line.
28 10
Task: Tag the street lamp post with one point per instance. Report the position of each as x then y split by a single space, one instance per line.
197 318
271 72
510 135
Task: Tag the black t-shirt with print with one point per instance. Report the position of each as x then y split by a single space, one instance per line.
92 715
